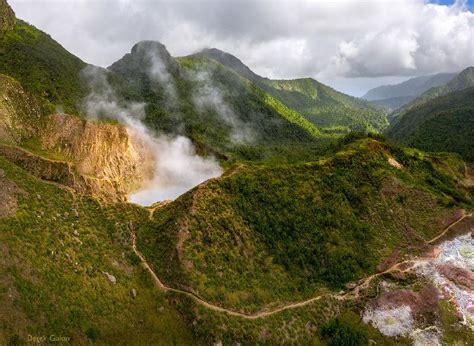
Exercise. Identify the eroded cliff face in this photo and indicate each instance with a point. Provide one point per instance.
(101, 159)
(7, 17)
(105, 153)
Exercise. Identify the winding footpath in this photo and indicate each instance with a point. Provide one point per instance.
(352, 294)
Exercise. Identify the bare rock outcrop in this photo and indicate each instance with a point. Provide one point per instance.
(423, 304)
(104, 153)
(101, 159)
(63, 173)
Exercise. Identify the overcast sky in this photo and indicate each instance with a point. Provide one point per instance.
(351, 45)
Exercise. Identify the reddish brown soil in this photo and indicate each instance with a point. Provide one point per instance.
(460, 276)
(424, 304)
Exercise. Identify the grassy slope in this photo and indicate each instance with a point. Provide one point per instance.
(319, 103)
(263, 235)
(325, 106)
(54, 250)
(42, 66)
(7, 17)
(445, 123)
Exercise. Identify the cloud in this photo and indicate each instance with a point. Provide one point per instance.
(279, 39)
(435, 38)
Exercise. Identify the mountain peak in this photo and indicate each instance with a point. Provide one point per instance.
(7, 17)
(152, 48)
(145, 53)
(231, 62)
(148, 45)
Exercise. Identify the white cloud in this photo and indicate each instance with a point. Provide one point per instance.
(430, 38)
(281, 39)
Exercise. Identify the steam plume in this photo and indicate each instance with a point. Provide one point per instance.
(207, 96)
(177, 166)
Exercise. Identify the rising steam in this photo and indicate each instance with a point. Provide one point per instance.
(158, 71)
(206, 95)
(177, 166)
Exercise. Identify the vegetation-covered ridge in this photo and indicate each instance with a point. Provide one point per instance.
(397, 95)
(82, 248)
(43, 67)
(446, 123)
(462, 80)
(320, 104)
(363, 283)
(221, 112)
(7, 17)
(262, 236)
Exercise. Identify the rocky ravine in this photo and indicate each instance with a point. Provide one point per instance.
(104, 160)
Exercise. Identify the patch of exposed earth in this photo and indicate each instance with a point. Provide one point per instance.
(448, 275)
(452, 273)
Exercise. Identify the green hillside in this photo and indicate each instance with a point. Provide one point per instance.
(304, 235)
(393, 103)
(446, 123)
(262, 236)
(320, 104)
(42, 66)
(232, 241)
(463, 80)
(326, 107)
(56, 247)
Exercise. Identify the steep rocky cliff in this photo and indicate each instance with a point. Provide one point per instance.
(7, 17)
(100, 159)
(106, 153)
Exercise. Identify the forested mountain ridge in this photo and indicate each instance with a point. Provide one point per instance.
(396, 95)
(462, 80)
(320, 104)
(42, 66)
(182, 94)
(445, 123)
(7, 17)
(288, 239)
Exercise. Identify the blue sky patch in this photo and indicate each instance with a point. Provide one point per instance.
(450, 2)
